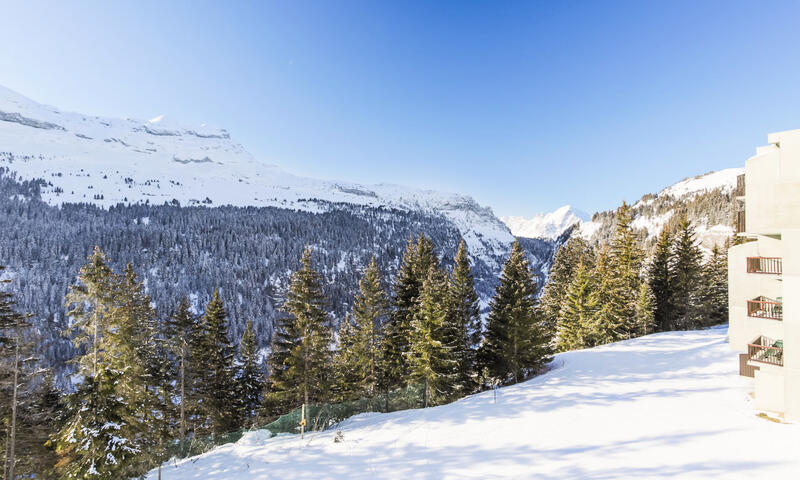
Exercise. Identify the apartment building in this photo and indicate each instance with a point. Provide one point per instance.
(764, 274)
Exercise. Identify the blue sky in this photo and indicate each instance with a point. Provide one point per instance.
(524, 105)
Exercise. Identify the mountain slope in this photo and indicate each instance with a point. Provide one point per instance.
(668, 405)
(106, 161)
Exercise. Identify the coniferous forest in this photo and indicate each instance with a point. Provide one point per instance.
(146, 380)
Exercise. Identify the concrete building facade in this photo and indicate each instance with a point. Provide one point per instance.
(764, 275)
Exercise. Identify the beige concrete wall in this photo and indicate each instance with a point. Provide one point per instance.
(772, 188)
(791, 320)
(769, 388)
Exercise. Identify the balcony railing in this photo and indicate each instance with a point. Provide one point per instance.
(763, 307)
(771, 265)
(766, 350)
(741, 227)
(739, 191)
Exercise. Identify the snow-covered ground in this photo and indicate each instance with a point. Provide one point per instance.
(668, 405)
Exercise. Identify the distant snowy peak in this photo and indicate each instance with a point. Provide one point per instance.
(105, 161)
(546, 225)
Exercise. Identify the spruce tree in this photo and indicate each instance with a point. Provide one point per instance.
(561, 275)
(578, 313)
(183, 334)
(625, 262)
(659, 280)
(98, 439)
(431, 360)
(517, 341)
(216, 387)
(398, 330)
(359, 358)
(464, 321)
(714, 288)
(251, 376)
(644, 311)
(685, 278)
(300, 361)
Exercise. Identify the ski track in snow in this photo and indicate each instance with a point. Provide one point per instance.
(669, 405)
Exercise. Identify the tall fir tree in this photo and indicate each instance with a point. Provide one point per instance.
(431, 360)
(659, 279)
(359, 358)
(562, 273)
(625, 262)
(579, 312)
(517, 341)
(215, 359)
(714, 288)
(183, 335)
(464, 321)
(685, 278)
(250, 379)
(301, 360)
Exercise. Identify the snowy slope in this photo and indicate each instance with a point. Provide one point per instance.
(545, 225)
(107, 161)
(669, 405)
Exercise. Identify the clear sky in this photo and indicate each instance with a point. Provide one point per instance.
(526, 106)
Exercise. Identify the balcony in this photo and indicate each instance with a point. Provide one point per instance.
(766, 350)
(768, 265)
(739, 190)
(741, 227)
(763, 307)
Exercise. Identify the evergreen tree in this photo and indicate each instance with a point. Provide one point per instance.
(624, 280)
(359, 357)
(15, 375)
(517, 341)
(431, 360)
(609, 318)
(251, 376)
(714, 289)
(578, 313)
(659, 278)
(464, 321)
(644, 311)
(216, 387)
(300, 361)
(685, 278)
(561, 276)
(183, 335)
(98, 439)
(398, 330)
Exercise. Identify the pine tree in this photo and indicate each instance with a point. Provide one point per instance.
(578, 313)
(714, 289)
(398, 330)
(216, 387)
(517, 341)
(98, 439)
(659, 278)
(300, 361)
(685, 277)
(359, 356)
(644, 311)
(251, 376)
(625, 261)
(431, 361)
(560, 277)
(183, 335)
(465, 330)
(15, 374)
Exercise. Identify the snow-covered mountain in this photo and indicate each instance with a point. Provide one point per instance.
(669, 405)
(706, 199)
(106, 161)
(546, 225)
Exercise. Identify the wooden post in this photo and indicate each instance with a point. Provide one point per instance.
(302, 421)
